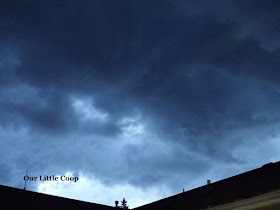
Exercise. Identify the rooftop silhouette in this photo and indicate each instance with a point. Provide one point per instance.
(13, 198)
(258, 182)
(243, 186)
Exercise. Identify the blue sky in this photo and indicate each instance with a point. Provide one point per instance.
(140, 99)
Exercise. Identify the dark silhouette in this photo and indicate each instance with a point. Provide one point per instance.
(13, 198)
(261, 181)
(25, 181)
(124, 204)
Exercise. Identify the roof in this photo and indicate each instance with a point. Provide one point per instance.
(242, 186)
(13, 198)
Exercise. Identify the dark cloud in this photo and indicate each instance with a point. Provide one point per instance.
(80, 80)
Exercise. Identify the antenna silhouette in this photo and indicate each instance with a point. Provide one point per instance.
(124, 206)
(25, 180)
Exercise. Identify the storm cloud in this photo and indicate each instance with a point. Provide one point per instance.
(143, 94)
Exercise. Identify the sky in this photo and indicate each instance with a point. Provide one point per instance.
(139, 99)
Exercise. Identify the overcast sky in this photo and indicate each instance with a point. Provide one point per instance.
(139, 98)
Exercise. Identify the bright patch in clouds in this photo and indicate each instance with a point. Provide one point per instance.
(87, 111)
(92, 190)
(132, 126)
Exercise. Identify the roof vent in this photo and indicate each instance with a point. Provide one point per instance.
(208, 182)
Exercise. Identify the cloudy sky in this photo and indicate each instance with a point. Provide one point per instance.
(139, 98)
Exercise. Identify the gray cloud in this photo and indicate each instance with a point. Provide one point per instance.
(139, 92)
